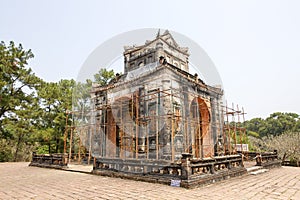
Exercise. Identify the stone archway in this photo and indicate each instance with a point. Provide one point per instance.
(120, 128)
(200, 123)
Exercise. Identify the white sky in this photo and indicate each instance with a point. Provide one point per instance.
(254, 44)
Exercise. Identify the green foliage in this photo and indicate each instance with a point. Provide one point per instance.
(17, 82)
(55, 101)
(276, 124)
(82, 95)
(104, 76)
(253, 134)
(17, 100)
(42, 149)
(6, 150)
(81, 101)
(33, 112)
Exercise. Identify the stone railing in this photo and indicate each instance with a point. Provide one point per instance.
(248, 155)
(269, 156)
(82, 158)
(137, 166)
(214, 165)
(49, 160)
(190, 172)
(198, 172)
(263, 158)
(268, 159)
(291, 163)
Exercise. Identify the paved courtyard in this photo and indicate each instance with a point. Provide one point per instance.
(18, 181)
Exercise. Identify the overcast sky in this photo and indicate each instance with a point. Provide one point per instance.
(255, 45)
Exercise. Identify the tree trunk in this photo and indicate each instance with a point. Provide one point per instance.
(17, 148)
(56, 145)
(49, 147)
(283, 158)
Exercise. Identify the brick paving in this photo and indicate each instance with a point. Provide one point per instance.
(18, 181)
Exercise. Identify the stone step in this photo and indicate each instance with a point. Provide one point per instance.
(260, 171)
(254, 168)
(79, 168)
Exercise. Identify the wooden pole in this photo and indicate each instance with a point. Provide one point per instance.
(71, 141)
(131, 128)
(228, 129)
(157, 124)
(234, 128)
(172, 138)
(66, 133)
(239, 128)
(223, 130)
(90, 147)
(79, 150)
(136, 125)
(120, 129)
(199, 125)
(244, 129)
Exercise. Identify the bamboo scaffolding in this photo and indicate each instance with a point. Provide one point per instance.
(132, 122)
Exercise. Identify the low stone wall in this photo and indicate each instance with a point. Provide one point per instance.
(268, 159)
(292, 164)
(189, 173)
(264, 159)
(57, 161)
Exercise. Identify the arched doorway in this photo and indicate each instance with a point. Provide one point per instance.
(121, 133)
(199, 121)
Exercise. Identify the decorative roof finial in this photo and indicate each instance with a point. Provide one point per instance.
(158, 33)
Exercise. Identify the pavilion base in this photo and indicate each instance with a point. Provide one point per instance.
(188, 173)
